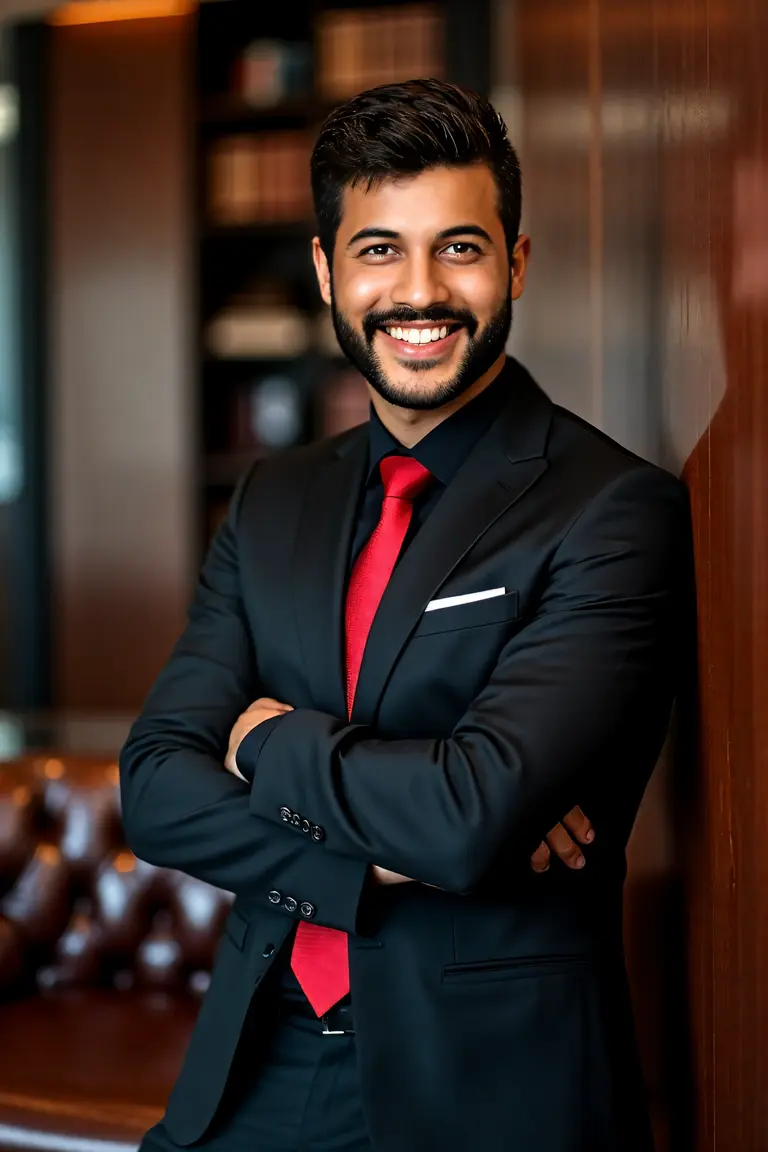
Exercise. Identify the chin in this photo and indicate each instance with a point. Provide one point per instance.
(412, 392)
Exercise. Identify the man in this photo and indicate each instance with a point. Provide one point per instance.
(413, 647)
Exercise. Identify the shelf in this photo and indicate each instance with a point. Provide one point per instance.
(277, 230)
(226, 109)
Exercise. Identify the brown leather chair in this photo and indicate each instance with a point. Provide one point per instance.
(103, 960)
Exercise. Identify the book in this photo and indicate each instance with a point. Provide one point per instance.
(259, 178)
(361, 48)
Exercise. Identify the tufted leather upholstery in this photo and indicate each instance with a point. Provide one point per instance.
(103, 960)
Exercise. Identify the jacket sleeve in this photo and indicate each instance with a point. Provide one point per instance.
(180, 807)
(584, 689)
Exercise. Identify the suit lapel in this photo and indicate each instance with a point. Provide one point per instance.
(325, 532)
(505, 463)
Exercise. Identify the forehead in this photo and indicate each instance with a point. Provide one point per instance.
(424, 204)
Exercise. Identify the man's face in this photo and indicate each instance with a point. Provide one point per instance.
(421, 287)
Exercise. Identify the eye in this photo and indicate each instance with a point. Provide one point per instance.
(461, 249)
(377, 251)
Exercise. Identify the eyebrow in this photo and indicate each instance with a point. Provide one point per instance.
(446, 234)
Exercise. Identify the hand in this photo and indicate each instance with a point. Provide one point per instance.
(263, 709)
(384, 876)
(564, 841)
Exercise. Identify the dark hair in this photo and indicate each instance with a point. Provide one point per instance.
(408, 128)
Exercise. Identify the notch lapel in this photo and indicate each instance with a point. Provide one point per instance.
(323, 541)
(502, 467)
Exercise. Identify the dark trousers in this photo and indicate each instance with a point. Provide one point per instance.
(295, 1090)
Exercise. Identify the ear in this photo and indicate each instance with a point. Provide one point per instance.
(322, 269)
(520, 256)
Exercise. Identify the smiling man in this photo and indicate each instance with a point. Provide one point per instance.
(412, 649)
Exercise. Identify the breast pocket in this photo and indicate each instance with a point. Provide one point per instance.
(474, 614)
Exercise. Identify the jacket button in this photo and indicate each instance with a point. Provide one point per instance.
(275, 897)
(318, 833)
(290, 904)
(307, 909)
(268, 950)
(296, 819)
(306, 826)
(285, 814)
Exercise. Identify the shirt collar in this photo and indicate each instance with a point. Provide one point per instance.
(443, 450)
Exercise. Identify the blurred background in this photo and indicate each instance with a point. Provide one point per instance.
(160, 326)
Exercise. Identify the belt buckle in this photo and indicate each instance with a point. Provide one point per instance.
(329, 1029)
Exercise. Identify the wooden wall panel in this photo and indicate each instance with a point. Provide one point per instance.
(122, 419)
(643, 129)
(728, 477)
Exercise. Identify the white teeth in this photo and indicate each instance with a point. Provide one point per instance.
(418, 335)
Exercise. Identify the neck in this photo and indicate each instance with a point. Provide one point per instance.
(409, 425)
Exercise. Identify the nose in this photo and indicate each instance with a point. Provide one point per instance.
(420, 282)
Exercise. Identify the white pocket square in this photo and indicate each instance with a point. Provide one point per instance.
(452, 601)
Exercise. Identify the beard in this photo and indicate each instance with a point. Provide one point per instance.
(484, 346)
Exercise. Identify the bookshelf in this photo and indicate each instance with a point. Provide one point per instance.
(270, 375)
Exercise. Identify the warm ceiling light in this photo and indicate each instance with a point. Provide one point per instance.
(101, 11)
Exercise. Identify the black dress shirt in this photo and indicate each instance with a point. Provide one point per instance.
(441, 452)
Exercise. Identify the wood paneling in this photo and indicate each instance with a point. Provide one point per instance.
(728, 477)
(644, 132)
(122, 490)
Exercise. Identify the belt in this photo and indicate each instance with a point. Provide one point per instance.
(337, 1021)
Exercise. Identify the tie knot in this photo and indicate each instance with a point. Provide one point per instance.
(404, 478)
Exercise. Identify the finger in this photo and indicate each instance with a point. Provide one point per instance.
(541, 858)
(562, 844)
(578, 825)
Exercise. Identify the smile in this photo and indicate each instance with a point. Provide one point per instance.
(422, 341)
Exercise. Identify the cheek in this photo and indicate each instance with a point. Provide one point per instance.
(362, 291)
(482, 289)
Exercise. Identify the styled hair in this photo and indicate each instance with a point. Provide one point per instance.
(406, 129)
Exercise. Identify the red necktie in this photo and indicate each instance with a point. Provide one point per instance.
(320, 956)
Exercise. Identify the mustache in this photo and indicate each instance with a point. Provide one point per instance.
(402, 317)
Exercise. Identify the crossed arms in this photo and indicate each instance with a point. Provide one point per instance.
(586, 682)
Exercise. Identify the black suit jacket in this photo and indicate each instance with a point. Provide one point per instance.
(491, 1013)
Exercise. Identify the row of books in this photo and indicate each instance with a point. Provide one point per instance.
(360, 48)
(355, 48)
(259, 178)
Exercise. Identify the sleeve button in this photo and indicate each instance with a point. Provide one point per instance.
(290, 904)
(307, 910)
(306, 826)
(275, 897)
(317, 833)
(285, 814)
(296, 819)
